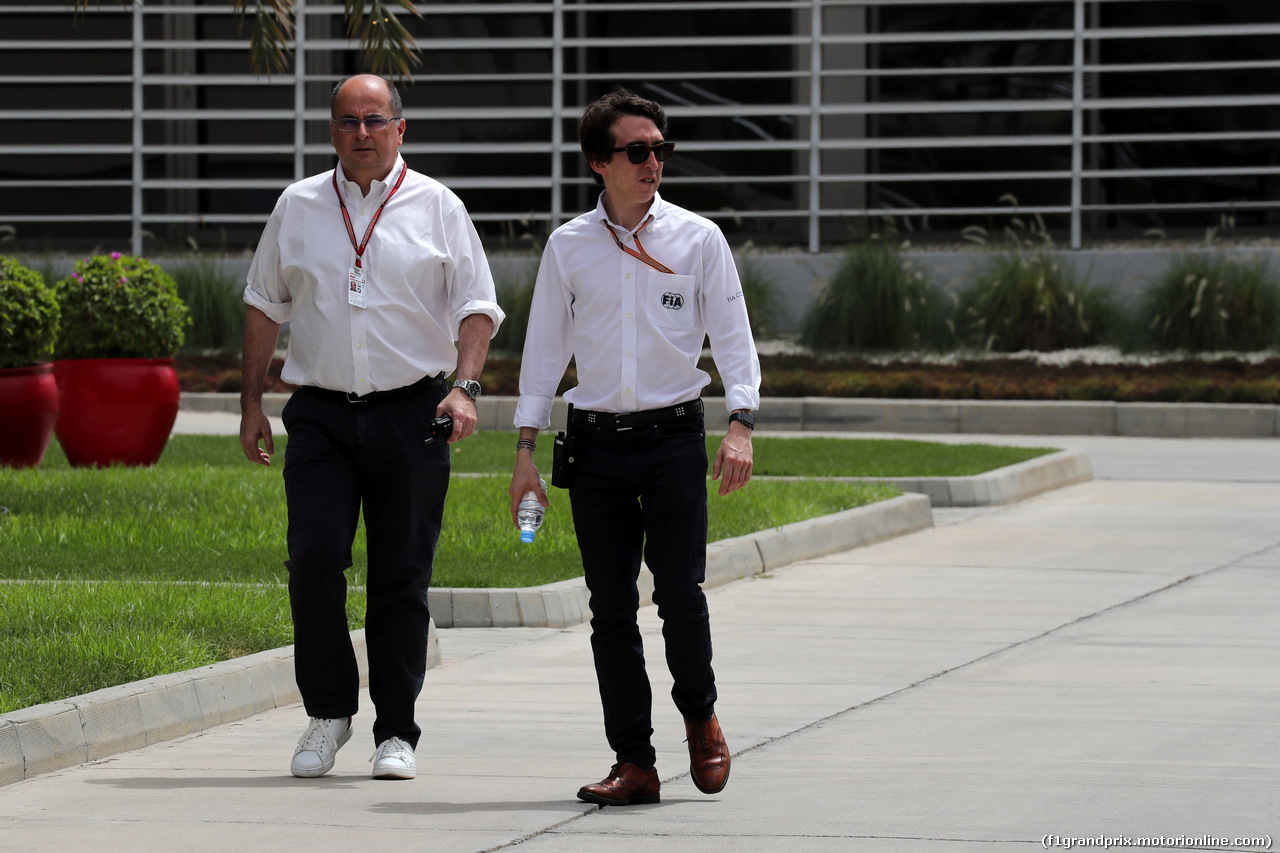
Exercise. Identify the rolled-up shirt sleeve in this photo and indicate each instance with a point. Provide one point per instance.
(266, 288)
(471, 290)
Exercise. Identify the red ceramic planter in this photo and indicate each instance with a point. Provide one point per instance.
(28, 410)
(115, 410)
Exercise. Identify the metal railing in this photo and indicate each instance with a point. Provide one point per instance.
(143, 120)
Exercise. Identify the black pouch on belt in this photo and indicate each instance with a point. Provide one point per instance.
(562, 461)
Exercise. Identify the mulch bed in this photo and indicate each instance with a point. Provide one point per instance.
(1185, 381)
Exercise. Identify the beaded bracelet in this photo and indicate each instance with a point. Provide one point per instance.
(526, 443)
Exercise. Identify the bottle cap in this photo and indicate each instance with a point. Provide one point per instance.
(526, 536)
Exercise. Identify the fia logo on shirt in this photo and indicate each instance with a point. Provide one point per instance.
(673, 301)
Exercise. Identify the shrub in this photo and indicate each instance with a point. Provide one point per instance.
(216, 304)
(1207, 301)
(515, 295)
(29, 316)
(760, 292)
(1026, 299)
(875, 301)
(120, 307)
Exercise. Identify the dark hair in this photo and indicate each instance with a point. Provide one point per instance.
(394, 102)
(594, 131)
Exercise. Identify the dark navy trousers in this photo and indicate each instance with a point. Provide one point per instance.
(343, 457)
(642, 494)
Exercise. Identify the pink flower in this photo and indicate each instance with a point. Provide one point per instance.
(124, 280)
(115, 256)
(77, 276)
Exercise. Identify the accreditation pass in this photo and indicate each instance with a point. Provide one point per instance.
(356, 286)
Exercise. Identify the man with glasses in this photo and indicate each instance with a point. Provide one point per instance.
(630, 290)
(378, 270)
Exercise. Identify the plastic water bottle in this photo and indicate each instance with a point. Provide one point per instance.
(529, 515)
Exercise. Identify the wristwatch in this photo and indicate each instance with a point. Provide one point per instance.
(747, 419)
(470, 387)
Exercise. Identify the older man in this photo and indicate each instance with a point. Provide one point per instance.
(379, 271)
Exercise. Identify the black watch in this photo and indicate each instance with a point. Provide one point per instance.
(470, 387)
(747, 419)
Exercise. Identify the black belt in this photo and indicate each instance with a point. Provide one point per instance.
(631, 420)
(389, 394)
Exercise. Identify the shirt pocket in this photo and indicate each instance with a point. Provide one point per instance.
(671, 301)
(401, 267)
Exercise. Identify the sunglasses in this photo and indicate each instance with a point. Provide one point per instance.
(373, 123)
(638, 152)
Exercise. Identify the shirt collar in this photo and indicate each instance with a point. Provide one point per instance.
(655, 214)
(377, 189)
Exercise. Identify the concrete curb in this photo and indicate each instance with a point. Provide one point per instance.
(49, 737)
(1020, 417)
(859, 414)
(1004, 485)
(566, 603)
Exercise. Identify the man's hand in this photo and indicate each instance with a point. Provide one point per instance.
(255, 427)
(733, 459)
(525, 479)
(462, 409)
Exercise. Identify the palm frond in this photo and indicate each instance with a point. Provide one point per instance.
(383, 37)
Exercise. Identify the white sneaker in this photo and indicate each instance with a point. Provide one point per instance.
(318, 747)
(394, 760)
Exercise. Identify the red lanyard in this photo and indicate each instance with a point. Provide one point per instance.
(346, 217)
(642, 254)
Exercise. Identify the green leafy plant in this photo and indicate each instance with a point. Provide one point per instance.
(1208, 301)
(875, 300)
(216, 304)
(29, 316)
(120, 307)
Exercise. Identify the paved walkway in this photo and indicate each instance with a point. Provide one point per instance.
(1097, 661)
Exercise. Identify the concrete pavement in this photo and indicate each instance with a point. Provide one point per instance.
(1097, 661)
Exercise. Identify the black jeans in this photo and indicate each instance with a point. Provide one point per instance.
(642, 492)
(341, 457)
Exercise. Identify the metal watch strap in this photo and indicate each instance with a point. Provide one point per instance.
(470, 387)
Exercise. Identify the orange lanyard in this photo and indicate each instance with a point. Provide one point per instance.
(642, 254)
(346, 217)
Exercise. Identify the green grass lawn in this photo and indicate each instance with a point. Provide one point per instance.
(63, 638)
(109, 576)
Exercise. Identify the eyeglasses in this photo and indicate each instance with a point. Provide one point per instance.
(638, 152)
(373, 123)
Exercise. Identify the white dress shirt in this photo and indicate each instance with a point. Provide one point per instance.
(425, 268)
(636, 332)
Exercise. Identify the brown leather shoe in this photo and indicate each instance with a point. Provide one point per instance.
(626, 785)
(708, 755)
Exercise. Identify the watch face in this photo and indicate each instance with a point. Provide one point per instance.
(469, 386)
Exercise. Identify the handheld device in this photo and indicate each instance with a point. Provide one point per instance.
(441, 427)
